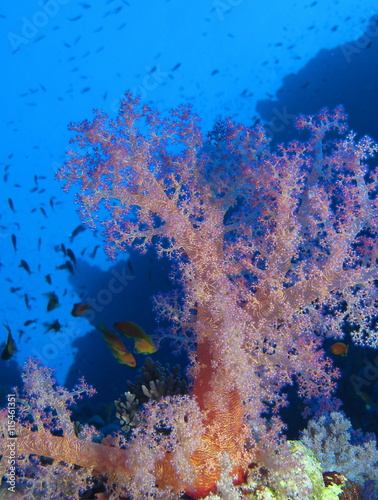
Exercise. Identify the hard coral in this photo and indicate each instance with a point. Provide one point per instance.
(155, 382)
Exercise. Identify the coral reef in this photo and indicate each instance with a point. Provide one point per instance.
(273, 252)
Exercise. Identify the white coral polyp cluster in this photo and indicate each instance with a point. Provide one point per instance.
(329, 438)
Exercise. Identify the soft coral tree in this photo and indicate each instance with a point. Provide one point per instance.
(273, 252)
(266, 244)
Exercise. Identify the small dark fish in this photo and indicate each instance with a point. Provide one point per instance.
(14, 242)
(75, 18)
(25, 265)
(76, 231)
(214, 72)
(56, 326)
(14, 289)
(53, 302)
(87, 89)
(80, 309)
(30, 322)
(48, 279)
(176, 67)
(10, 346)
(52, 203)
(39, 243)
(71, 255)
(93, 254)
(69, 266)
(10, 201)
(43, 211)
(27, 301)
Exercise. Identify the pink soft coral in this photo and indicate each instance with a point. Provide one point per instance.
(274, 252)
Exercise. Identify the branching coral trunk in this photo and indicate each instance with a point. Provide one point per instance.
(97, 458)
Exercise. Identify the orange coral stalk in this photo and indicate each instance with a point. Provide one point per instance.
(98, 458)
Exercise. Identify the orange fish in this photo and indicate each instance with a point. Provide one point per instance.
(80, 309)
(143, 342)
(117, 347)
(339, 348)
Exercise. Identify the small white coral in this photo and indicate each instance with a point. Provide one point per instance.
(224, 484)
(329, 439)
